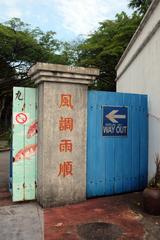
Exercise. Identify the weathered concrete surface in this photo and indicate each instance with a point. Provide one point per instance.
(47, 72)
(61, 173)
(124, 211)
(53, 189)
(21, 222)
(4, 168)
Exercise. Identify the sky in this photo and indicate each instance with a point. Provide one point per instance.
(68, 18)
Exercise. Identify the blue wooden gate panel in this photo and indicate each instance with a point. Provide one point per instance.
(117, 164)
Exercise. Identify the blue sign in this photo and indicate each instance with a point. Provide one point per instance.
(115, 121)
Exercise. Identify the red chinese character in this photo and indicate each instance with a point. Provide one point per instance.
(66, 123)
(65, 169)
(66, 100)
(65, 146)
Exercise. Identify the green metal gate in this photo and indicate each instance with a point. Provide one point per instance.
(24, 144)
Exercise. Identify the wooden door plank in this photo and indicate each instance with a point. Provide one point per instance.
(30, 139)
(18, 145)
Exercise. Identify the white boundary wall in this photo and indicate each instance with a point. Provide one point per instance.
(138, 71)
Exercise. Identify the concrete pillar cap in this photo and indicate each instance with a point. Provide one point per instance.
(47, 72)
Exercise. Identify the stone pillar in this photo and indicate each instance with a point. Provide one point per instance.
(62, 120)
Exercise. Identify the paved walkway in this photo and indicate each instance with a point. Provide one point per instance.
(109, 218)
(21, 222)
(17, 221)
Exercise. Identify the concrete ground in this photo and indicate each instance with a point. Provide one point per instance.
(21, 222)
(109, 218)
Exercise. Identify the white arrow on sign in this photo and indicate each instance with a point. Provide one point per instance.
(112, 116)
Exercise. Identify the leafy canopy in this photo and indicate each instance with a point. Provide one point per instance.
(21, 46)
(105, 46)
(140, 6)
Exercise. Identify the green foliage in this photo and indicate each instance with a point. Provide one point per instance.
(140, 6)
(105, 46)
(21, 46)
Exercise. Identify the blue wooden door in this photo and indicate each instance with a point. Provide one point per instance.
(117, 162)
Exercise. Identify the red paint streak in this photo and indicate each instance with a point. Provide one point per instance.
(33, 129)
(26, 152)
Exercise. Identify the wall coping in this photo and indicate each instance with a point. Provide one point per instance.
(47, 72)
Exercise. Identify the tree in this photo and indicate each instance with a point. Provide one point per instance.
(140, 6)
(21, 46)
(70, 51)
(105, 46)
